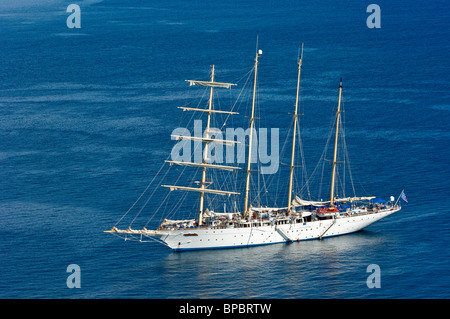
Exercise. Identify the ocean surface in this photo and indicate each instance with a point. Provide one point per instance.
(86, 116)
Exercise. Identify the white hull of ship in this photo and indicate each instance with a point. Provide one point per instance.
(219, 238)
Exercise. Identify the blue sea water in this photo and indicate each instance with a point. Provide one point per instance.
(85, 122)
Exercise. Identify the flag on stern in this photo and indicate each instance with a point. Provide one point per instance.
(403, 196)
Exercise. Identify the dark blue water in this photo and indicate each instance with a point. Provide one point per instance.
(85, 122)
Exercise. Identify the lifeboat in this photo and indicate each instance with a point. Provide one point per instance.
(327, 212)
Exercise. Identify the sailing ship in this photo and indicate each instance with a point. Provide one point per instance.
(256, 225)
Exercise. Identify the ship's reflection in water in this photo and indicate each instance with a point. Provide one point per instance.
(331, 268)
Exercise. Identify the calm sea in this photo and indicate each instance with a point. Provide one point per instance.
(86, 116)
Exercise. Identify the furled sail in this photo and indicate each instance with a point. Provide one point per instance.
(266, 209)
(210, 83)
(204, 139)
(203, 190)
(184, 108)
(224, 167)
(301, 202)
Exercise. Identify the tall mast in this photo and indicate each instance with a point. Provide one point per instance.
(333, 176)
(291, 176)
(247, 184)
(205, 154)
(205, 139)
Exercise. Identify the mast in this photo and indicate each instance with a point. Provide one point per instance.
(291, 176)
(247, 184)
(333, 176)
(205, 152)
(206, 139)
